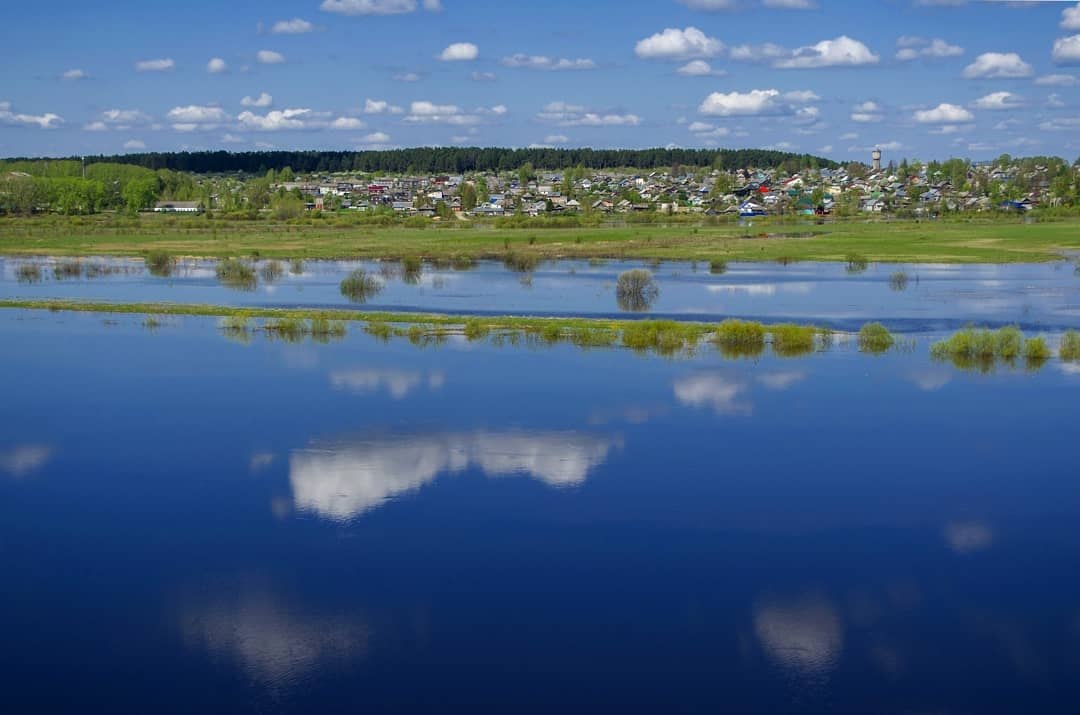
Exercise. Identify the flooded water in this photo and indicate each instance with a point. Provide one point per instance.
(908, 298)
(191, 523)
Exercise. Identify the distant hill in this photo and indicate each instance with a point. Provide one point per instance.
(457, 160)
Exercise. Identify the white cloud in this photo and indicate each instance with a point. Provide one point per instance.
(162, 65)
(791, 4)
(134, 144)
(40, 121)
(717, 391)
(376, 7)
(406, 77)
(556, 139)
(998, 101)
(124, 117)
(460, 52)
(998, 65)
(269, 57)
(75, 75)
(1061, 124)
(916, 47)
(704, 130)
(1067, 50)
(676, 44)
(424, 112)
(347, 123)
(377, 138)
(801, 96)
(380, 106)
(232, 139)
(1054, 101)
(767, 52)
(840, 52)
(572, 115)
(700, 68)
(276, 120)
(867, 112)
(295, 26)
(1070, 18)
(484, 77)
(263, 100)
(709, 5)
(216, 65)
(1058, 80)
(196, 117)
(542, 62)
(944, 113)
(96, 127)
(754, 102)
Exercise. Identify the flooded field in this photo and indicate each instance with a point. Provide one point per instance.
(192, 522)
(908, 298)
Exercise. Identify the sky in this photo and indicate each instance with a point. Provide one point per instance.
(921, 79)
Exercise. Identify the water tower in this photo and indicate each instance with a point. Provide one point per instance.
(876, 156)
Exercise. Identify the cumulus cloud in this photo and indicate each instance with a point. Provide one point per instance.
(722, 394)
(377, 7)
(998, 101)
(1067, 50)
(676, 44)
(263, 100)
(276, 120)
(344, 123)
(376, 138)
(196, 117)
(767, 52)
(704, 130)
(542, 62)
(424, 112)
(912, 48)
(97, 126)
(709, 5)
(840, 52)
(123, 118)
(161, 65)
(944, 113)
(867, 112)
(380, 106)
(134, 145)
(295, 26)
(791, 4)
(38, 121)
(754, 102)
(700, 68)
(269, 57)
(73, 75)
(1070, 18)
(460, 52)
(1058, 80)
(216, 65)
(572, 115)
(995, 65)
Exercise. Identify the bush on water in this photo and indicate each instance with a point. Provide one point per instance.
(236, 273)
(1070, 345)
(360, 285)
(160, 263)
(635, 290)
(875, 338)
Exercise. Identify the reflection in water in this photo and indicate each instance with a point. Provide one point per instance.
(968, 537)
(713, 390)
(782, 380)
(274, 646)
(398, 383)
(341, 482)
(804, 635)
(22, 459)
(930, 379)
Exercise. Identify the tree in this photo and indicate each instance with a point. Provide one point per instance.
(468, 196)
(140, 194)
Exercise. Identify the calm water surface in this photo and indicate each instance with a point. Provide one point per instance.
(934, 297)
(189, 523)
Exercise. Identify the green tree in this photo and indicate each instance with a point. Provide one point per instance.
(468, 196)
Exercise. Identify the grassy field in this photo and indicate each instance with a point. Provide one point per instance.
(981, 240)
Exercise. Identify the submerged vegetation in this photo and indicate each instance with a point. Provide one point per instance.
(160, 263)
(898, 281)
(272, 271)
(636, 290)
(856, 262)
(875, 338)
(28, 273)
(717, 267)
(360, 285)
(236, 274)
(67, 269)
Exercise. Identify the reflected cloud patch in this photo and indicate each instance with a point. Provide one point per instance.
(719, 392)
(805, 635)
(782, 380)
(397, 383)
(342, 482)
(24, 459)
(968, 537)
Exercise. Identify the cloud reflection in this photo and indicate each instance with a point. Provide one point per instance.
(22, 459)
(273, 646)
(398, 383)
(713, 390)
(342, 482)
(968, 537)
(804, 635)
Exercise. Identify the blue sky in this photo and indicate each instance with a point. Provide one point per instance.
(920, 78)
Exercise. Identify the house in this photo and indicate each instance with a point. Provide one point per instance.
(177, 207)
(749, 208)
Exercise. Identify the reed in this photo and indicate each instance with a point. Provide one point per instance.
(856, 262)
(875, 338)
(359, 286)
(236, 274)
(28, 273)
(411, 270)
(160, 263)
(790, 340)
(1070, 346)
(272, 271)
(520, 261)
(67, 269)
(475, 329)
(898, 281)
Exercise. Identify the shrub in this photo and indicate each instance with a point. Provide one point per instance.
(411, 270)
(359, 286)
(521, 262)
(635, 290)
(160, 263)
(789, 340)
(67, 269)
(272, 271)
(1070, 345)
(1036, 350)
(898, 281)
(288, 329)
(28, 273)
(296, 267)
(718, 267)
(875, 338)
(856, 263)
(475, 329)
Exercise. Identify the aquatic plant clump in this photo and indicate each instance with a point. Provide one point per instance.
(875, 338)
(981, 348)
(67, 269)
(856, 263)
(160, 263)
(898, 281)
(666, 337)
(411, 270)
(236, 274)
(359, 286)
(718, 267)
(1036, 350)
(789, 340)
(521, 262)
(322, 329)
(272, 271)
(28, 273)
(475, 329)
(636, 290)
(1070, 346)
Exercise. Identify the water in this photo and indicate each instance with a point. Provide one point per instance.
(191, 523)
(936, 297)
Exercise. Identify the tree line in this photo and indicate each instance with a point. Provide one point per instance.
(459, 160)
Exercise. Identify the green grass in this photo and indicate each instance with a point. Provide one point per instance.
(875, 338)
(790, 340)
(740, 338)
(360, 285)
(1036, 350)
(236, 274)
(666, 337)
(981, 349)
(981, 239)
(1070, 346)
